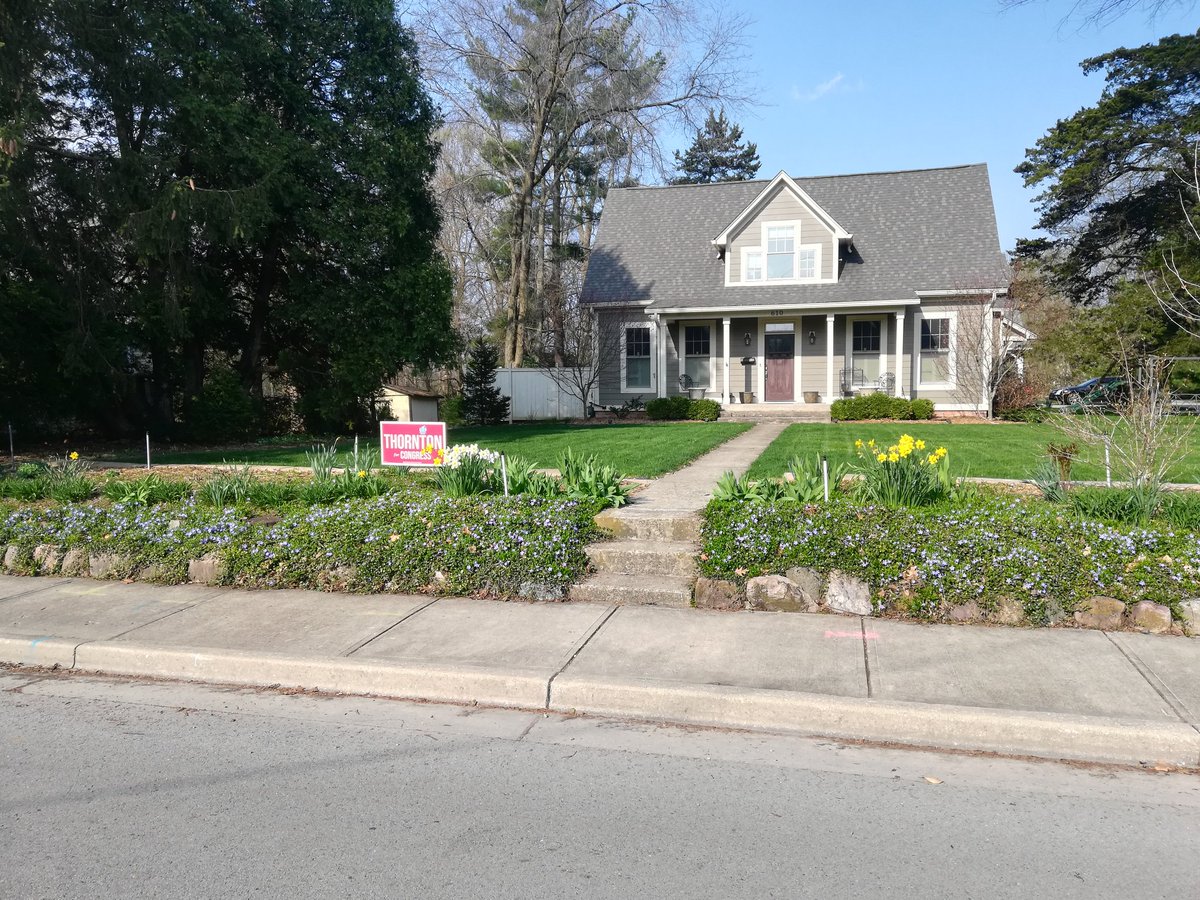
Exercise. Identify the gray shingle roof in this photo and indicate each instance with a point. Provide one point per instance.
(921, 230)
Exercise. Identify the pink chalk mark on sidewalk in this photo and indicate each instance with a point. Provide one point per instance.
(869, 635)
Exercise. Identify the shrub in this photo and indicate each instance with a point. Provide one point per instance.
(452, 411)
(928, 560)
(922, 408)
(668, 408)
(222, 411)
(482, 402)
(879, 406)
(704, 410)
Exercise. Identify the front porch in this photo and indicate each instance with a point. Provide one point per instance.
(786, 363)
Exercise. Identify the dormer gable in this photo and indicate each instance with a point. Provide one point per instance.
(783, 236)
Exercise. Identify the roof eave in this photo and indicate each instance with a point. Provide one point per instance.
(784, 178)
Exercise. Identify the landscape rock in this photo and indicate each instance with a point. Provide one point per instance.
(848, 594)
(536, 590)
(75, 563)
(1104, 613)
(779, 594)
(1054, 612)
(106, 565)
(1191, 616)
(208, 569)
(810, 583)
(47, 557)
(152, 572)
(966, 612)
(716, 593)
(1009, 611)
(12, 557)
(1149, 616)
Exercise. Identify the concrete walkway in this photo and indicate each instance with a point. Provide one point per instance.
(1126, 698)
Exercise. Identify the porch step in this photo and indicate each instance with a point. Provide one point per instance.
(627, 524)
(635, 590)
(641, 557)
(750, 414)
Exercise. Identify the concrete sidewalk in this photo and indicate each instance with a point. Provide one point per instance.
(1125, 698)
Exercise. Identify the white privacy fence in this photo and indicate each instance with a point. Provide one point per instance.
(536, 394)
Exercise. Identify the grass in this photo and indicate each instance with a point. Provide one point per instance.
(636, 450)
(981, 451)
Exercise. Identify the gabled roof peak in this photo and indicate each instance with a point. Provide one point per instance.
(787, 182)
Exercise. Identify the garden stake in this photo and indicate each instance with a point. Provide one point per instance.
(356, 450)
(147, 451)
(1107, 466)
(504, 472)
(825, 475)
(12, 453)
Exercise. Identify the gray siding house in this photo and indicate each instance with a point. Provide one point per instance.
(800, 289)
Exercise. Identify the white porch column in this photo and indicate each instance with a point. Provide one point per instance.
(900, 353)
(661, 335)
(725, 349)
(829, 359)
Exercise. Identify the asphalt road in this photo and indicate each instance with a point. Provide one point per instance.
(123, 789)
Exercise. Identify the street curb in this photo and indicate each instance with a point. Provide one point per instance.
(446, 683)
(1011, 732)
(37, 651)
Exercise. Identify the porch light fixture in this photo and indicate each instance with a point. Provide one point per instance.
(812, 337)
(746, 339)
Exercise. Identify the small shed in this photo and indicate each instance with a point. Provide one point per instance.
(408, 404)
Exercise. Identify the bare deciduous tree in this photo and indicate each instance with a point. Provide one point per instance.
(589, 347)
(539, 81)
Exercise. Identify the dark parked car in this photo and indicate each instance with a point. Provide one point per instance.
(1093, 392)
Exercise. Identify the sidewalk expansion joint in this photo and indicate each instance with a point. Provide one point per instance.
(1168, 697)
(862, 625)
(354, 648)
(36, 590)
(208, 595)
(592, 632)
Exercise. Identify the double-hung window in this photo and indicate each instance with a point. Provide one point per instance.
(754, 270)
(935, 351)
(865, 347)
(697, 355)
(638, 347)
(806, 261)
(781, 251)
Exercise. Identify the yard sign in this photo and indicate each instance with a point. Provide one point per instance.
(412, 443)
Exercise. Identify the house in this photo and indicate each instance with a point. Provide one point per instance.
(802, 289)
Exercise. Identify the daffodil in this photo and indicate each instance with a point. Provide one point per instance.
(920, 445)
(362, 473)
(880, 457)
(74, 455)
(858, 443)
(893, 457)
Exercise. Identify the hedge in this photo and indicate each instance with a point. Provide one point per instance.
(924, 562)
(404, 541)
(679, 407)
(880, 406)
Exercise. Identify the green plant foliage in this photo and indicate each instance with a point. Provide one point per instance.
(925, 561)
(407, 540)
(584, 478)
(879, 406)
(145, 491)
(704, 410)
(482, 402)
(904, 474)
(223, 411)
(230, 486)
(668, 408)
(452, 411)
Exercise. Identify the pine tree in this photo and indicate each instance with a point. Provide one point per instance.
(482, 402)
(717, 154)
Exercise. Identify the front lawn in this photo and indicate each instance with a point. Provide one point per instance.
(637, 450)
(1001, 450)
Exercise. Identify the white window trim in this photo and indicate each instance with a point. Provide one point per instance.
(952, 361)
(848, 339)
(712, 325)
(761, 249)
(747, 252)
(653, 326)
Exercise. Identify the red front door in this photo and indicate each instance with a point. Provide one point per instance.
(781, 369)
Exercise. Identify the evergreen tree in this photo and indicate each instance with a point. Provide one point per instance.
(717, 154)
(482, 402)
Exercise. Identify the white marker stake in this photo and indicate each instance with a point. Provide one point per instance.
(1107, 466)
(825, 475)
(356, 450)
(147, 450)
(12, 453)
(504, 472)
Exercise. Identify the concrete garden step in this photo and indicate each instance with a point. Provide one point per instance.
(642, 557)
(650, 525)
(635, 590)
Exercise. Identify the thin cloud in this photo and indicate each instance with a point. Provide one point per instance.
(810, 95)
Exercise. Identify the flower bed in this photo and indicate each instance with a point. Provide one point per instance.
(986, 550)
(407, 540)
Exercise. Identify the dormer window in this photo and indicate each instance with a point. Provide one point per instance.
(781, 251)
(754, 270)
(807, 258)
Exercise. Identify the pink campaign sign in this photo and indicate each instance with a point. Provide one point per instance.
(412, 443)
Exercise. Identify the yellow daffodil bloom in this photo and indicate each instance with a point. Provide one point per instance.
(858, 443)
(920, 445)
(893, 457)
(880, 457)
(74, 455)
(362, 474)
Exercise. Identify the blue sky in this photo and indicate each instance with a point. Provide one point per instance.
(870, 85)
